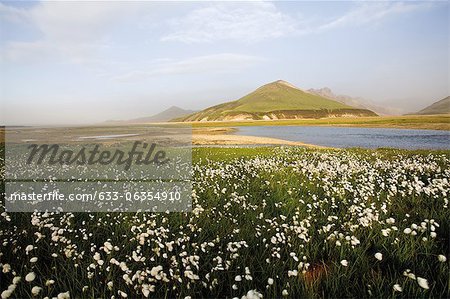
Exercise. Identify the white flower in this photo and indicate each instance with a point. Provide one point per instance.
(146, 289)
(423, 283)
(270, 281)
(6, 268)
(354, 241)
(344, 263)
(122, 294)
(397, 288)
(108, 246)
(238, 278)
(253, 294)
(284, 293)
(29, 248)
(408, 274)
(188, 273)
(155, 270)
(49, 282)
(6, 294)
(292, 273)
(442, 258)
(411, 275)
(33, 260)
(16, 279)
(30, 277)
(65, 295)
(36, 290)
(407, 230)
(379, 256)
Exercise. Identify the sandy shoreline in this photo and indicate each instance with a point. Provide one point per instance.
(223, 139)
(225, 136)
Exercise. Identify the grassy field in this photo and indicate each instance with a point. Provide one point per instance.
(271, 222)
(432, 122)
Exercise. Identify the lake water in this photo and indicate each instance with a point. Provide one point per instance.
(354, 137)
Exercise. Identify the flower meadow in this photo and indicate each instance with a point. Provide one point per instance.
(265, 223)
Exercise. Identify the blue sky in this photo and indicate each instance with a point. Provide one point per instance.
(81, 62)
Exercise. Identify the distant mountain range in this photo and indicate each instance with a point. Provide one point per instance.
(278, 100)
(282, 100)
(166, 115)
(439, 107)
(357, 102)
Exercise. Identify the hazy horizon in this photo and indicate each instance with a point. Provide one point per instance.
(87, 62)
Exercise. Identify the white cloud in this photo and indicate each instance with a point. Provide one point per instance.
(248, 22)
(12, 14)
(258, 21)
(71, 30)
(81, 32)
(225, 62)
(75, 22)
(26, 52)
(371, 12)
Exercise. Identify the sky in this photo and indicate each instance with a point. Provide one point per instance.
(84, 62)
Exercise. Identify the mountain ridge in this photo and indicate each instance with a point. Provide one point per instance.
(357, 102)
(165, 115)
(439, 107)
(277, 100)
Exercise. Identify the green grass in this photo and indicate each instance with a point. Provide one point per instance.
(436, 122)
(225, 154)
(254, 208)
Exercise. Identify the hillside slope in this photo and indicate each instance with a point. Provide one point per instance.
(439, 107)
(277, 100)
(356, 102)
(166, 115)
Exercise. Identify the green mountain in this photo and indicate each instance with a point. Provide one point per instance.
(277, 100)
(440, 107)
